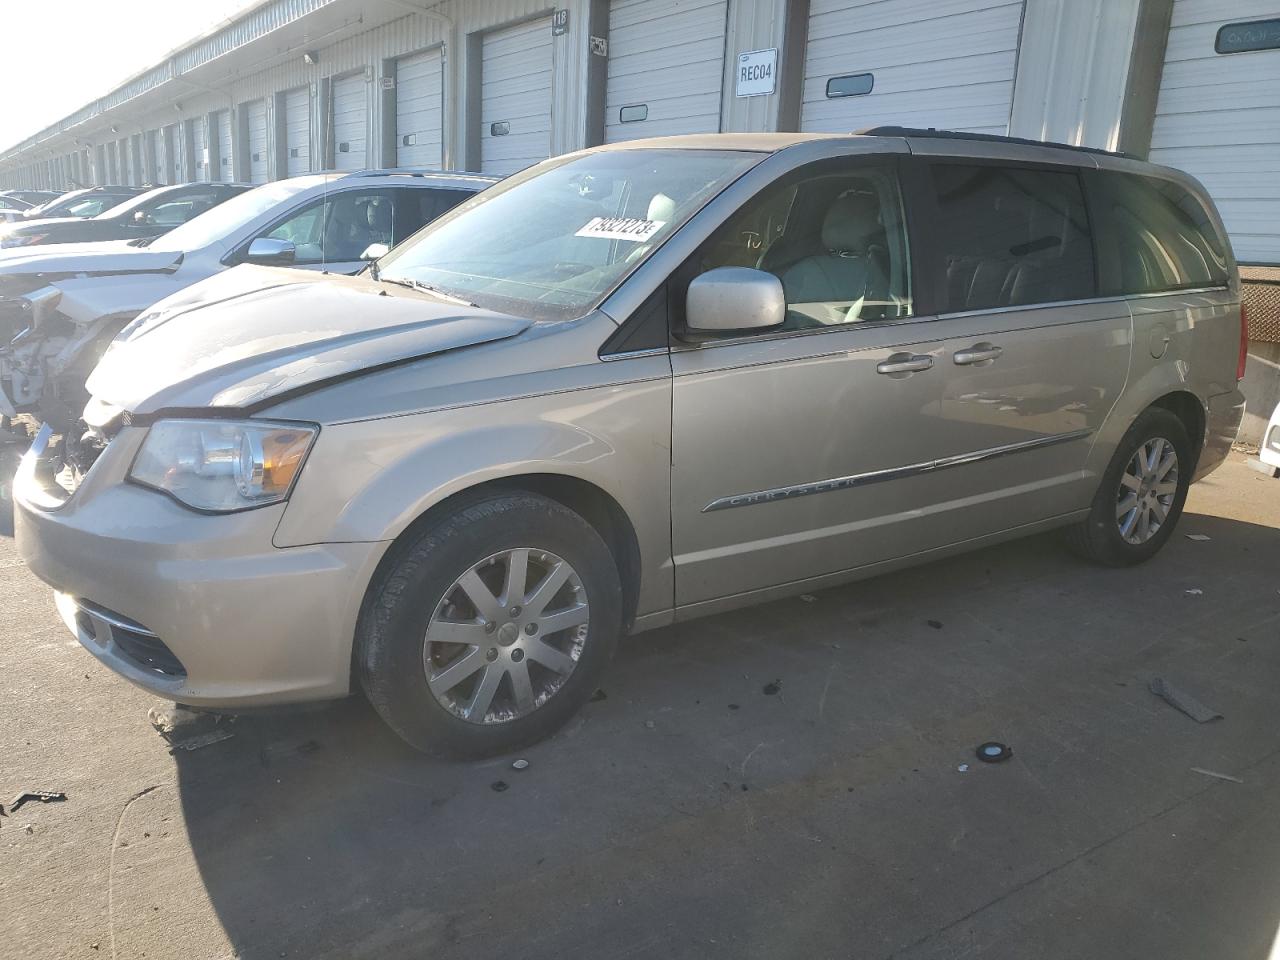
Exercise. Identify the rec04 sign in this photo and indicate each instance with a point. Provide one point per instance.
(757, 73)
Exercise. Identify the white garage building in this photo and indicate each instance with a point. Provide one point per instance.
(292, 86)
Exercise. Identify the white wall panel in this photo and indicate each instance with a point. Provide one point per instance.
(515, 96)
(420, 110)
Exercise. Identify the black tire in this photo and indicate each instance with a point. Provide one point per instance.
(1098, 538)
(391, 636)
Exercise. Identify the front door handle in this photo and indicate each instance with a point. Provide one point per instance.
(904, 363)
(978, 353)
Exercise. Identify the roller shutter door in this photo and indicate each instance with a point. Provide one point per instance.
(932, 63)
(666, 66)
(173, 153)
(419, 111)
(155, 143)
(204, 165)
(297, 131)
(515, 97)
(226, 170)
(350, 121)
(1218, 118)
(256, 114)
(126, 162)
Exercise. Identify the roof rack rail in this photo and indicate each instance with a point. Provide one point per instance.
(892, 131)
(410, 172)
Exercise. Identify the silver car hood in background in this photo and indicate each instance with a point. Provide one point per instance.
(106, 256)
(253, 333)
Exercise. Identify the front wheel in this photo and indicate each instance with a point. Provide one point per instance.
(1141, 495)
(492, 628)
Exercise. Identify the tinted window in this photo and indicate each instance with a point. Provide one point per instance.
(1154, 235)
(416, 208)
(339, 227)
(834, 235)
(1010, 236)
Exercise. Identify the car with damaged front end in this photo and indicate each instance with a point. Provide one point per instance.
(62, 304)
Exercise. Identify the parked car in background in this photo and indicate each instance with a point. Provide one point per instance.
(12, 208)
(627, 386)
(1269, 450)
(61, 304)
(143, 217)
(88, 202)
(33, 197)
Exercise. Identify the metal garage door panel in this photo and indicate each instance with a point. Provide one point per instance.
(226, 171)
(204, 169)
(350, 122)
(1218, 118)
(420, 111)
(666, 62)
(257, 116)
(935, 63)
(515, 97)
(297, 131)
(155, 144)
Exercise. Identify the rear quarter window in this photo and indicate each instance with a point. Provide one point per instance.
(1153, 236)
(1011, 236)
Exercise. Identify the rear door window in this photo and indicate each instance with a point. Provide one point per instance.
(1011, 236)
(339, 227)
(418, 206)
(1153, 236)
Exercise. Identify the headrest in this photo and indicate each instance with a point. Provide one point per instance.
(378, 215)
(662, 208)
(852, 223)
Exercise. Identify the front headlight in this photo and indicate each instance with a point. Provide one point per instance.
(223, 465)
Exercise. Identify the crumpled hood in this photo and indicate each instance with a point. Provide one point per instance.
(107, 256)
(253, 333)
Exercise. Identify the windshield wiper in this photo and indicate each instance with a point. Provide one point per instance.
(428, 288)
(141, 241)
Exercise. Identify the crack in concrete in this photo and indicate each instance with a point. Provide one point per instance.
(111, 864)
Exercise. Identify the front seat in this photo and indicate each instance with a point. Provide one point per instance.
(850, 269)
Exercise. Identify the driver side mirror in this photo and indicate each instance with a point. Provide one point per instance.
(271, 252)
(375, 251)
(730, 300)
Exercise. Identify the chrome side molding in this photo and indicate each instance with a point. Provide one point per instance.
(892, 473)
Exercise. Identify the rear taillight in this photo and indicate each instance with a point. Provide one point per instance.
(1244, 344)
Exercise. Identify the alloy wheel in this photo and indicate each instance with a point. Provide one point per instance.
(1147, 490)
(506, 636)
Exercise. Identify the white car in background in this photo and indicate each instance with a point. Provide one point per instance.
(1269, 450)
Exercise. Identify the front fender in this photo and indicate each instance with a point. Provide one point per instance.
(368, 481)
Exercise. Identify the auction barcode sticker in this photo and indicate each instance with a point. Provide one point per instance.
(621, 228)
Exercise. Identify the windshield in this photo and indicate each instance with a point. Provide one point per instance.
(226, 218)
(551, 242)
(128, 206)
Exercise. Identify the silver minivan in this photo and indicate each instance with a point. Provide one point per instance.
(629, 386)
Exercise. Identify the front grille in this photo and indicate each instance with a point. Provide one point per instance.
(130, 638)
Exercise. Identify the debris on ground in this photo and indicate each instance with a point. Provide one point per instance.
(34, 796)
(204, 740)
(963, 768)
(936, 624)
(521, 764)
(733, 706)
(808, 597)
(772, 688)
(649, 724)
(1217, 776)
(993, 752)
(1194, 592)
(1180, 700)
(498, 786)
(168, 719)
(598, 696)
(1198, 537)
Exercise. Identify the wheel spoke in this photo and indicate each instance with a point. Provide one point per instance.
(1144, 523)
(544, 592)
(485, 602)
(563, 619)
(1130, 481)
(517, 575)
(519, 674)
(1126, 505)
(1166, 489)
(550, 657)
(478, 706)
(1170, 462)
(469, 632)
(1127, 523)
(451, 676)
(1154, 451)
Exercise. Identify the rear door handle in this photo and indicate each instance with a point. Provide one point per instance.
(904, 363)
(978, 353)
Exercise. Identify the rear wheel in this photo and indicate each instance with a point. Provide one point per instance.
(492, 628)
(1141, 495)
